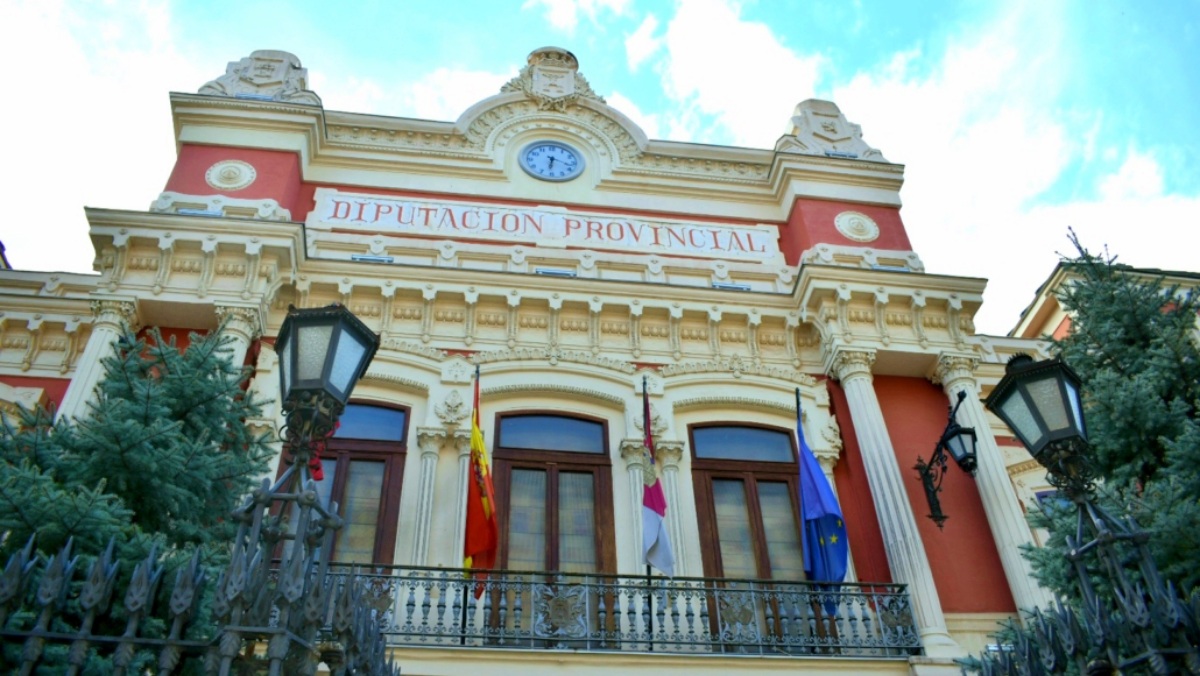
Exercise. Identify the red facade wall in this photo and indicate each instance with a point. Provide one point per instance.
(963, 557)
(811, 223)
(277, 175)
(854, 495)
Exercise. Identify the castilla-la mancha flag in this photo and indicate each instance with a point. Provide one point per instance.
(656, 546)
(479, 545)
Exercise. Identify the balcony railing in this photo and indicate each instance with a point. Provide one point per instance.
(529, 610)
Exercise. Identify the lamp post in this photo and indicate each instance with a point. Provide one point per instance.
(322, 354)
(959, 442)
(1146, 627)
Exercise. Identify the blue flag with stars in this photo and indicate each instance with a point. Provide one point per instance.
(826, 551)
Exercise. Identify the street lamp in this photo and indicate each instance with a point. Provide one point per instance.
(284, 605)
(959, 442)
(322, 354)
(1145, 626)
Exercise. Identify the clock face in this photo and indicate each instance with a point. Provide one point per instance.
(551, 161)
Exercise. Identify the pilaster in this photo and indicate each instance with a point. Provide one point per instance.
(243, 324)
(430, 441)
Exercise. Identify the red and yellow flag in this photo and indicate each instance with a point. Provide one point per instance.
(480, 543)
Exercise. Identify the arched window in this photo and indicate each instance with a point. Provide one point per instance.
(745, 479)
(363, 465)
(554, 488)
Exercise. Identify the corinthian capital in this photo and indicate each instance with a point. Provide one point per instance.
(954, 370)
(850, 364)
(430, 440)
(114, 313)
(240, 319)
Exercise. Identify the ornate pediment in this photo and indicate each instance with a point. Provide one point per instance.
(268, 75)
(820, 128)
(552, 79)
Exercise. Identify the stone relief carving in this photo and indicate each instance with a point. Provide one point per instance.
(453, 410)
(658, 424)
(856, 226)
(552, 79)
(268, 75)
(820, 128)
(739, 366)
(230, 175)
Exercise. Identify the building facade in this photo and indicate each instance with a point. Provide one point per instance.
(543, 237)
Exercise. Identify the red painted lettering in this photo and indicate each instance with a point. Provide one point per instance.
(491, 220)
(512, 225)
(531, 223)
(338, 212)
(361, 207)
(692, 232)
(380, 210)
(570, 225)
(673, 234)
(594, 228)
(467, 226)
(615, 231)
(400, 214)
(448, 218)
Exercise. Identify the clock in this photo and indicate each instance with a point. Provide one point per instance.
(551, 161)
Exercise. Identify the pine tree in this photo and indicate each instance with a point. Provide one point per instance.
(1133, 342)
(162, 456)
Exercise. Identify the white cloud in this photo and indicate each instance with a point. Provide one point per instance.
(1139, 177)
(565, 14)
(88, 121)
(642, 43)
(732, 71)
(648, 123)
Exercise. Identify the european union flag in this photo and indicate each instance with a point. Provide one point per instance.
(826, 550)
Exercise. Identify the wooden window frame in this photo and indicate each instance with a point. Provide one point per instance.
(750, 473)
(393, 454)
(599, 465)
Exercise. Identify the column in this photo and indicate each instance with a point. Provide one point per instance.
(462, 442)
(632, 454)
(1004, 513)
(243, 325)
(111, 318)
(901, 540)
(669, 454)
(430, 441)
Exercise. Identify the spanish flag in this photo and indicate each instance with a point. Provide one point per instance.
(479, 545)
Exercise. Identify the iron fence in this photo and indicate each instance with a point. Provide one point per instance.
(420, 606)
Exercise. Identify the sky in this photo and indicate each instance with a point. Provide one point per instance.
(1015, 120)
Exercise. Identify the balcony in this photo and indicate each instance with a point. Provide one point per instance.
(440, 608)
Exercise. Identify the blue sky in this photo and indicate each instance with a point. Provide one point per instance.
(1015, 120)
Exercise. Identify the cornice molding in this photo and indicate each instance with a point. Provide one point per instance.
(715, 401)
(738, 366)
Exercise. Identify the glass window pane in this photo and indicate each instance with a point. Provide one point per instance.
(1048, 401)
(312, 342)
(364, 492)
(743, 443)
(285, 366)
(1023, 422)
(733, 528)
(551, 433)
(527, 520)
(783, 534)
(577, 523)
(350, 352)
(361, 421)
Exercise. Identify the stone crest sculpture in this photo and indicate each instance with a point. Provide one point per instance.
(820, 128)
(268, 75)
(551, 77)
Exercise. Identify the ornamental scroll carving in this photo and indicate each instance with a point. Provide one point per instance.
(552, 79)
(453, 410)
(820, 128)
(268, 75)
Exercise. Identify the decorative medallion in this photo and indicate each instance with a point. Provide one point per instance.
(857, 226)
(230, 175)
(552, 79)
